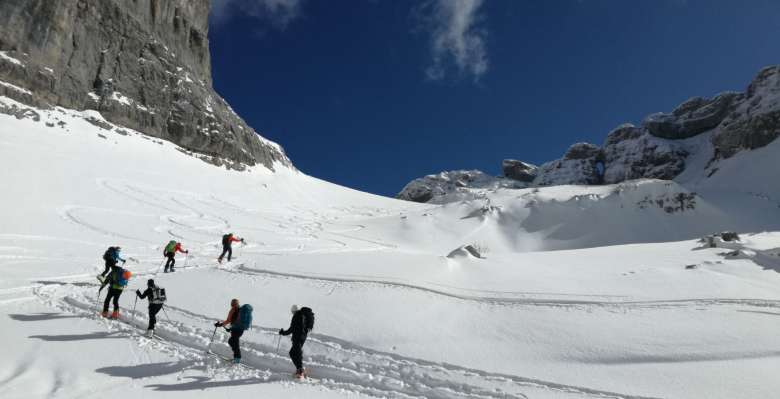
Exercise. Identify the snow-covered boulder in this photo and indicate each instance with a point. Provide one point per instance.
(453, 186)
(519, 170)
(582, 164)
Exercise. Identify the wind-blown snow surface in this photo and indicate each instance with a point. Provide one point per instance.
(614, 312)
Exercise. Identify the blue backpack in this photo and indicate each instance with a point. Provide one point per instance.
(244, 320)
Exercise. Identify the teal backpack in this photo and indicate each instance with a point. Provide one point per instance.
(244, 319)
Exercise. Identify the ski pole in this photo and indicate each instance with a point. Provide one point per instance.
(166, 314)
(134, 303)
(208, 348)
(186, 258)
(278, 343)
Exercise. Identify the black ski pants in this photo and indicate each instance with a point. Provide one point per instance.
(234, 342)
(171, 260)
(154, 308)
(226, 249)
(114, 294)
(296, 354)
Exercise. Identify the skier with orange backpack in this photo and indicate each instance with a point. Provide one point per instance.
(117, 281)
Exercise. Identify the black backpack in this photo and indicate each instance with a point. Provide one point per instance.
(109, 255)
(308, 318)
(226, 240)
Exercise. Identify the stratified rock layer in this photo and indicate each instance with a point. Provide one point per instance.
(143, 64)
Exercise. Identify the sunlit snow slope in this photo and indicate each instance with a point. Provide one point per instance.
(584, 292)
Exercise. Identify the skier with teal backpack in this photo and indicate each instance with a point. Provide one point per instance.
(170, 253)
(239, 319)
(117, 281)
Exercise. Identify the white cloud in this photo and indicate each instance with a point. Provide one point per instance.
(278, 12)
(456, 38)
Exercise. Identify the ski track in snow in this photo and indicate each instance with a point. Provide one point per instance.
(339, 365)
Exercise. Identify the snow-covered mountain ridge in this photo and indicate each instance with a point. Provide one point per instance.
(662, 147)
(143, 64)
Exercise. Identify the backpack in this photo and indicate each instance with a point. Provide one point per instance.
(119, 277)
(308, 318)
(170, 247)
(158, 295)
(226, 240)
(244, 319)
(109, 255)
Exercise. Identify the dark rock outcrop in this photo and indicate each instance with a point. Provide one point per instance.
(756, 122)
(693, 117)
(632, 153)
(519, 170)
(583, 163)
(143, 64)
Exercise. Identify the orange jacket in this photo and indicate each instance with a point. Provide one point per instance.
(232, 315)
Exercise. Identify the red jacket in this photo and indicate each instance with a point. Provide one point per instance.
(178, 248)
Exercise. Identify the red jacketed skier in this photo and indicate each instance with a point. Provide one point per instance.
(227, 246)
(170, 253)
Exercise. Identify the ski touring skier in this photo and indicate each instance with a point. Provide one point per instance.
(157, 299)
(239, 319)
(227, 246)
(112, 257)
(117, 281)
(301, 324)
(170, 253)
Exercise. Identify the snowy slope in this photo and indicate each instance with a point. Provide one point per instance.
(584, 292)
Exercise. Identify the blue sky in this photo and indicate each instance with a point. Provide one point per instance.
(373, 93)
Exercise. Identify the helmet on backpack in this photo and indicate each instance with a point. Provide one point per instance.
(294, 308)
(150, 283)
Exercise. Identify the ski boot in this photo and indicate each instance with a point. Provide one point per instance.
(104, 314)
(236, 360)
(114, 315)
(300, 374)
(149, 333)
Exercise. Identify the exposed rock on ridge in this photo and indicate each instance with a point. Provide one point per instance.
(143, 64)
(717, 128)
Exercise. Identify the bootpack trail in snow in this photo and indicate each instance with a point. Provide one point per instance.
(338, 364)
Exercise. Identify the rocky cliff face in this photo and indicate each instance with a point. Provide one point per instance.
(659, 148)
(143, 64)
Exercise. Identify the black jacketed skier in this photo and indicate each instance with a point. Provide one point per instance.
(112, 257)
(170, 253)
(301, 324)
(116, 281)
(157, 299)
(231, 324)
(227, 246)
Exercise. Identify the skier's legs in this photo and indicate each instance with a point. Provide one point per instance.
(108, 300)
(117, 293)
(230, 253)
(224, 251)
(169, 263)
(234, 342)
(296, 354)
(153, 310)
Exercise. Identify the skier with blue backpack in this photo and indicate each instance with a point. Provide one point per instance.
(117, 281)
(112, 257)
(239, 319)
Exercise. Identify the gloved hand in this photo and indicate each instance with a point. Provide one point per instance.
(138, 292)
(187, 251)
(242, 240)
(281, 331)
(124, 261)
(218, 324)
